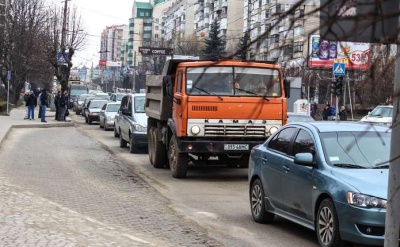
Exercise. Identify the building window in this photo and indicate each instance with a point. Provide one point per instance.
(141, 14)
(298, 31)
(298, 46)
(299, 14)
(288, 50)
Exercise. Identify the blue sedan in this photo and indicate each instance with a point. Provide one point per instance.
(331, 177)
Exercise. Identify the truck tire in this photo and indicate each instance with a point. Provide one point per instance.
(122, 142)
(178, 162)
(157, 152)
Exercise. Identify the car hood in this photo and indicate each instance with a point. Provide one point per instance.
(376, 119)
(373, 182)
(110, 114)
(141, 118)
(94, 109)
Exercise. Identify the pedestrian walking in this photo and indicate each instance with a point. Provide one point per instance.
(44, 101)
(62, 105)
(327, 112)
(38, 94)
(31, 102)
(26, 97)
(343, 113)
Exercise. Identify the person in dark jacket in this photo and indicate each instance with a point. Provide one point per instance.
(62, 105)
(327, 112)
(26, 97)
(31, 103)
(343, 114)
(44, 103)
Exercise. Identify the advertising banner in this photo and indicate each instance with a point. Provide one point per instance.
(102, 62)
(114, 63)
(324, 53)
(147, 51)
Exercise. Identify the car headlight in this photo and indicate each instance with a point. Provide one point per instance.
(139, 128)
(195, 130)
(365, 201)
(71, 100)
(109, 119)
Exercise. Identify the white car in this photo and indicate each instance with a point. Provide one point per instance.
(382, 114)
(107, 115)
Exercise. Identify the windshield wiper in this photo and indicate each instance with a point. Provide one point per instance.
(349, 166)
(252, 93)
(381, 166)
(208, 93)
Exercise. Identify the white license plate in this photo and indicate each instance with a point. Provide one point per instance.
(236, 146)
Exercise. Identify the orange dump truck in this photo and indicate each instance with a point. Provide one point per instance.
(205, 112)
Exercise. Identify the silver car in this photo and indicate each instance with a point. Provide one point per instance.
(107, 115)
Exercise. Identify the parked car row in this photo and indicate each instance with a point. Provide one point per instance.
(125, 115)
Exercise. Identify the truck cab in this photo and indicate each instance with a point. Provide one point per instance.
(131, 122)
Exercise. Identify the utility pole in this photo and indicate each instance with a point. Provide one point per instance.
(393, 198)
(64, 24)
(248, 29)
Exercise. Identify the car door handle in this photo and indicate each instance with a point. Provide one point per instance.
(286, 168)
(264, 160)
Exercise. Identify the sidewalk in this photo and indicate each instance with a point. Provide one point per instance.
(16, 120)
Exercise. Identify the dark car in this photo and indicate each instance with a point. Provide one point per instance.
(331, 177)
(93, 110)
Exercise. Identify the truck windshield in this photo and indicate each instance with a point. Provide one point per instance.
(233, 81)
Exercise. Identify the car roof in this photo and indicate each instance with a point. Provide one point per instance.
(388, 106)
(331, 126)
(136, 94)
(113, 103)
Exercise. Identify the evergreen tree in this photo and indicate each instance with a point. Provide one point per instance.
(241, 49)
(214, 44)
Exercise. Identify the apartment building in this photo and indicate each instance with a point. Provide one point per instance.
(229, 14)
(111, 43)
(279, 31)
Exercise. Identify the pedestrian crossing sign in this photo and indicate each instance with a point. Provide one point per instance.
(339, 69)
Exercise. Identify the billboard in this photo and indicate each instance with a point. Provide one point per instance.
(147, 51)
(369, 21)
(323, 53)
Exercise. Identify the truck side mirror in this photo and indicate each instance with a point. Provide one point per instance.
(167, 85)
(286, 84)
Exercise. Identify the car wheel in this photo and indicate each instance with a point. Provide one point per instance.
(157, 152)
(105, 126)
(327, 225)
(132, 146)
(178, 162)
(122, 142)
(86, 120)
(89, 121)
(116, 134)
(100, 126)
(257, 203)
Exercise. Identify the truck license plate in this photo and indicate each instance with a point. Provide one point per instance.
(236, 146)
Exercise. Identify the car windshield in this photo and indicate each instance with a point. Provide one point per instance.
(78, 91)
(139, 104)
(113, 107)
(366, 149)
(382, 112)
(233, 81)
(97, 104)
(82, 97)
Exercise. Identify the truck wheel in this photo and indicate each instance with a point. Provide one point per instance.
(86, 120)
(156, 150)
(132, 146)
(178, 162)
(116, 134)
(122, 142)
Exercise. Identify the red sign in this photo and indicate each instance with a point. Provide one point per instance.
(102, 62)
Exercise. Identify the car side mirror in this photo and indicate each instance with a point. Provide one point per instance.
(306, 159)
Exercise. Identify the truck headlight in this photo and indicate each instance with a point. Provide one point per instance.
(272, 130)
(195, 130)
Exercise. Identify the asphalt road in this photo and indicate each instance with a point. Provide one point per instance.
(84, 170)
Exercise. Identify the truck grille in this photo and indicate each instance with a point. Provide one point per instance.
(234, 130)
(204, 108)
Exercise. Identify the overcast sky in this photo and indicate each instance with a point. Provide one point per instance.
(96, 15)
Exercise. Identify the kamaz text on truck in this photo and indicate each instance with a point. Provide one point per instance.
(205, 112)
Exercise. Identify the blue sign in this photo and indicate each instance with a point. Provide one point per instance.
(9, 75)
(61, 59)
(339, 69)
